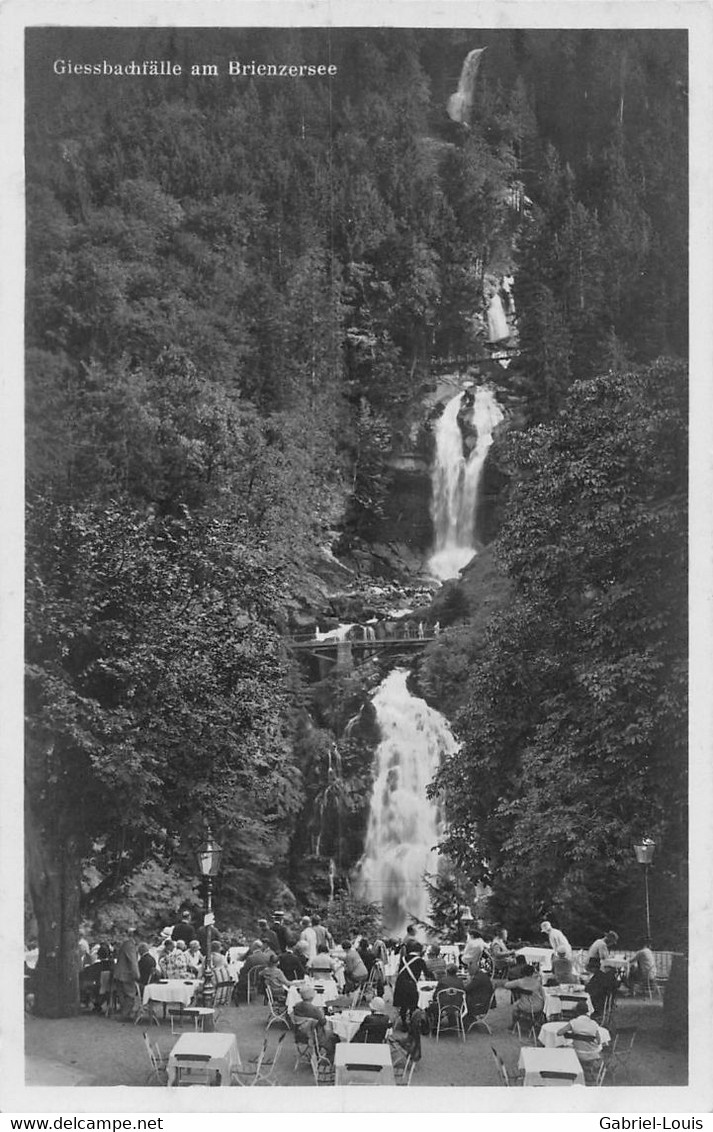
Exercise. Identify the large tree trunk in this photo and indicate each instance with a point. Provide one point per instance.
(54, 872)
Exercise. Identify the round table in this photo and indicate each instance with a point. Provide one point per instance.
(346, 1024)
(175, 990)
(328, 992)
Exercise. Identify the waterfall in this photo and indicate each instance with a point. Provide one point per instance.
(404, 824)
(456, 478)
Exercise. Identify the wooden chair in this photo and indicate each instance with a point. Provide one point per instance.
(158, 1063)
(264, 1071)
(451, 1011)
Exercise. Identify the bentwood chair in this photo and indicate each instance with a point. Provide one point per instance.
(278, 1010)
(264, 1071)
(158, 1064)
(305, 1040)
(451, 1011)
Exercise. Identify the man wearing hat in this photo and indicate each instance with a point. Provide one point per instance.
(556, 937)
(283, 936)
(374, 1027)
(268, 936)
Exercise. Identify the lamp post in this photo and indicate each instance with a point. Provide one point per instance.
(644, 851)
(465, 919)
(208, 855)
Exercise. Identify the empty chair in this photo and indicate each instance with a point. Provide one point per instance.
(278, 1010)
(452, 1010)
(621, 1050)
(194, 1069)
(158, 1064)
(555, 1077)
(264, 1066)
(505, 1078)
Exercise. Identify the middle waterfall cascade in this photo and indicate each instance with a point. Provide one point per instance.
(456, 479)
(404, 824)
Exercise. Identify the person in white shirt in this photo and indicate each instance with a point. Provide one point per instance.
(557, 939)
(473, 950)
(586, 1035)
(600, 948)
(309, 936)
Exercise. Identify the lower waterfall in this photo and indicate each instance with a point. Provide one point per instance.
(404, 825)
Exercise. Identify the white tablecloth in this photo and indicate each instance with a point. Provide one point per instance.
(175, 990)
(223, 1050)
(347, 1054)
(539, 956)
(533, 1060)
(549, 1037)
(553, 1003)
(328, 992)
(346, 1024)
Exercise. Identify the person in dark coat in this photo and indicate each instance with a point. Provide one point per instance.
(126, 977)
(601, 985)
(283, 936)
(184, 929)
(478, 995)
(147, 965)
(374, 1026)
(268, 937)
(411, 969)
(292, 964)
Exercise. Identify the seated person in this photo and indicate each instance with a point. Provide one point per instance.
(322, 965)
(377, 1022)
(172, 963)
(292, 964)
(642, 968)
(563, 972)
(271, 976)
(501, 954)
(435, 962)
(529, 996)
(601, 985)
(478, 995)
(586, 1035)
(450, 979)
(355, 973)
(194, 958)
(257, 957)
(305, 1008)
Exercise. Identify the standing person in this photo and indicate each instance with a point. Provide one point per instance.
(556, 938)
(412, 967)
(126, 977)
(501, 954)
(410, 945)
(147, 965)
(184, 929)
(600, 948)
(280, 930)
(473, 950)
(308, 936)
(324, 936)
(268, 936)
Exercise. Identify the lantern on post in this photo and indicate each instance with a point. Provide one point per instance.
(644, 850)
(208, 856)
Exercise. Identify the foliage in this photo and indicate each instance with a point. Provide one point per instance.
(348, 917)
(573, 726)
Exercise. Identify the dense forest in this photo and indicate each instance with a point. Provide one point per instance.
(238, 293)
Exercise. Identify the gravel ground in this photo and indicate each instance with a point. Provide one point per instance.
(93, 1050)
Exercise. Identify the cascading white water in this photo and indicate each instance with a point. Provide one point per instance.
(404, 824)
(456, 478)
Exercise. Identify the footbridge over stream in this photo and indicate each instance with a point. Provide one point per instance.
(341, 651)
